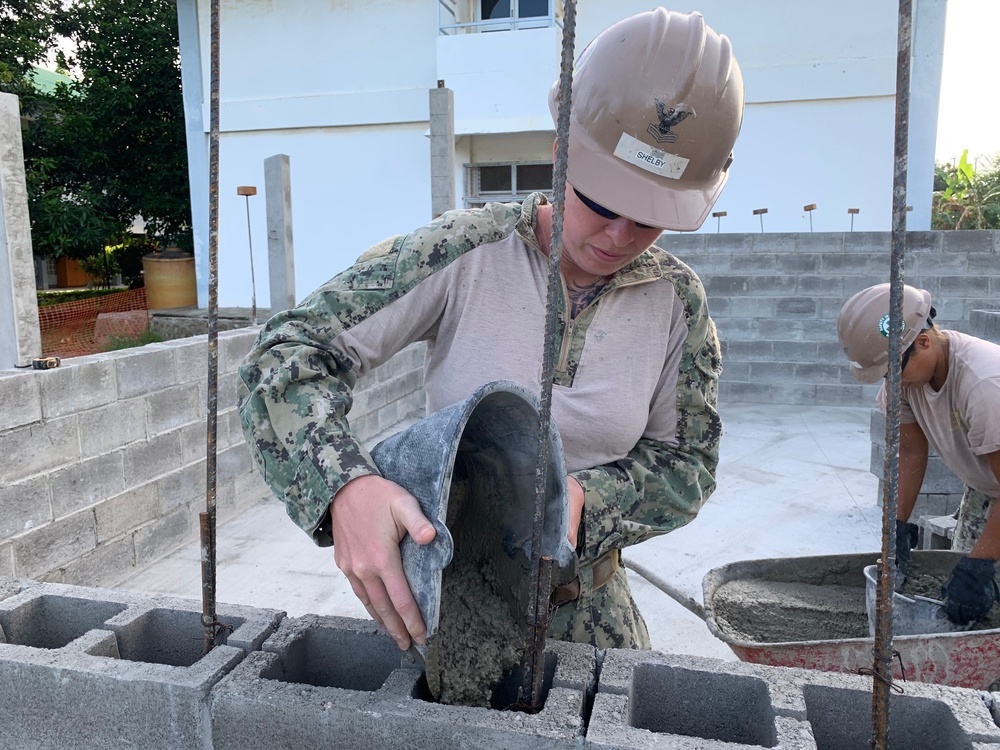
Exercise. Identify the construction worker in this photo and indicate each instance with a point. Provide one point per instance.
(951, 401)
(657, 105)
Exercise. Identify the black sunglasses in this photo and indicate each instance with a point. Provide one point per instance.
(906, 356)
(605, 213)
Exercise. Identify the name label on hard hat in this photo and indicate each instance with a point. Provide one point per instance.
(651, 159)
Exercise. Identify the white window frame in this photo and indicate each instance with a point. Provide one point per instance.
(465, 17)
(476, 197)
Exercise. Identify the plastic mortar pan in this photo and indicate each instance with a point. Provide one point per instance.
(969, 659)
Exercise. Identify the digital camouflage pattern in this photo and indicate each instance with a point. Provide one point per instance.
(972, 515)
(295, 393)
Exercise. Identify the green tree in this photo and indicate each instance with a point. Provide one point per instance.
(27, 31)
(109, 146)
(965, 197)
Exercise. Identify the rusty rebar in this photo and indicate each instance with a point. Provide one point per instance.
(207, 520)
(539, 604)
(882, 650)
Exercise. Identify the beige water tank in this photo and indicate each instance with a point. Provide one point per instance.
(170, 280)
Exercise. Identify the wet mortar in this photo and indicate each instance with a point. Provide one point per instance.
(761, 611)
(921, 582)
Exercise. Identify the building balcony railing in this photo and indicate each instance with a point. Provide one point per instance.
(465, 16)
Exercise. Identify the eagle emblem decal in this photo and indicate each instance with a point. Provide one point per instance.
(669, 118)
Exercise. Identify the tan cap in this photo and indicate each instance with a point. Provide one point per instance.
(863, 328)
(657, 104)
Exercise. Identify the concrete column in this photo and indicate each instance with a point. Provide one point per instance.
(925, 96)
(20, 337)
(280, 250)
(442, 115)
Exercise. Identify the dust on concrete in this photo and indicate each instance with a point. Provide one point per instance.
(477, 640)
(923, 582)
(762, 611)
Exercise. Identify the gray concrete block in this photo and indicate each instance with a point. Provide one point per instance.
(233, 462)
(323, 677)
(973, 287)
(164, 535)
(84, 483)
(182, 487)
(234, 346)
(173, 407)
(728, 286)
(748, 351)
(190, 358)
(79, 384)
(20, 398)
(820, 243)
(968, 241)
(751, 307)
(24, 506)
(39, 447)
(927, 264)
(145, 369)
(795, 307)
(867, 242)
(126, 511)
(152, 458)
(779, 329)
(795, 351)
(6, 567)
(920, 243)
(106, 565)
(111, 427)
(90, 668)
(55, 544)
(194, 441)
(772, 372)
(773, 286)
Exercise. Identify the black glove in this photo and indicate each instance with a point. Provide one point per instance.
(906, 539)
(971, 590)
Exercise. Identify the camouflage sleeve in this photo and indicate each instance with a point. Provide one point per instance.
(295, 386)
(659, 487)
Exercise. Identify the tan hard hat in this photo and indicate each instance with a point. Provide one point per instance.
(656, 106)
(863, 328)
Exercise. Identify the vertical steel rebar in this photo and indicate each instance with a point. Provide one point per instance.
(253, 280)
(207, 519)
(882, 650)
(538, 608)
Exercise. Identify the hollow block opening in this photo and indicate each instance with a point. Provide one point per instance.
(168, 636)
(843, 719)
(504, 696)
(329, 657)
(54, 621)
(711, 706)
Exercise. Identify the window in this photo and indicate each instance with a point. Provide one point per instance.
(506, 182)
(472, 16)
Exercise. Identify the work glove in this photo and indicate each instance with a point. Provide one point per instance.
(906, 539)
(971, 590)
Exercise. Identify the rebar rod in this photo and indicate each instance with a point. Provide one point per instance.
(253, 280)
(538, 607)
(882, 650)
(207, 519)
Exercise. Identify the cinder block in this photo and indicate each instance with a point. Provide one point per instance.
(173, 407)
(91, 668)
(24, 506)
(106, 565)
(936, 532)
(967, 241)
(752, 264)
(233, 462)
(6, 567)
(234, 346)
(867, 242)
(126, 511)
(921, 243)
(795, 351)
(741, 305)
(772, 372)
(779, 329)
(751, 705)
(795, 307)
(821, 374)
(78, 385)
(193, 439)
(39, 447)
(152, 458)
(144, 369)
(164, 535)
(55, 544)
(728, 286)
(951, 264)
(20, 398)
(323, 677)
(190, 358)
(974, 287)
(84, 483)
(111, 427)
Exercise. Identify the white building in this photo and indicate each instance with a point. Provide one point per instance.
(343, 89)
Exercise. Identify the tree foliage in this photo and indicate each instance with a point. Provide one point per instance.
(110, 146)
(964, 197)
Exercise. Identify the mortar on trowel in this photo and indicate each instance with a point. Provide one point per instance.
(916, 615)
(471, 466)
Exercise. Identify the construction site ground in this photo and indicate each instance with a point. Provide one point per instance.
(792, 481)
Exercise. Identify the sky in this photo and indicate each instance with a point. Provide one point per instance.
(969, 114)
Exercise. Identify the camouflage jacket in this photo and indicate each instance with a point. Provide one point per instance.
(634, 391)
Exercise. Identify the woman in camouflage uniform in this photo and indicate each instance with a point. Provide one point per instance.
(657, 104)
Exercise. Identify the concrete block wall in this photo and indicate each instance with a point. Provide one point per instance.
(92, 669)
(104, 457)
(775, 299)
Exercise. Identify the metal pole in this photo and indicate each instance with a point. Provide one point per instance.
(207, 519)
(541, 568)
(882, 650)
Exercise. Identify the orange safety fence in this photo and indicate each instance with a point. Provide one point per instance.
(73, 329)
